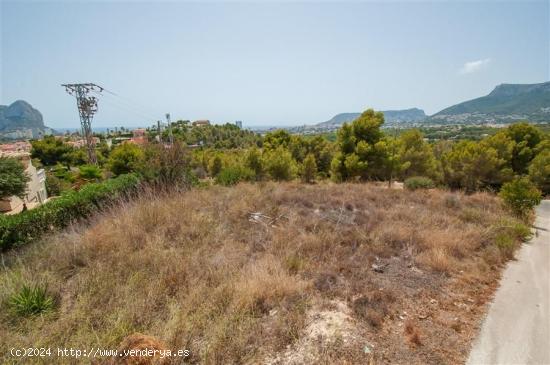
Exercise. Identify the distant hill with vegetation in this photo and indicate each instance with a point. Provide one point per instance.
(390, 116)
(506, 103)
(21, 120)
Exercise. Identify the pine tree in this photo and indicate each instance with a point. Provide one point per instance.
(309, 169)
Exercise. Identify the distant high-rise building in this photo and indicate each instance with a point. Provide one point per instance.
(239, 124)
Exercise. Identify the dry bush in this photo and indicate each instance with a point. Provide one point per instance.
(437, 259)
(374, 307)
(193, 271)
(412, 332)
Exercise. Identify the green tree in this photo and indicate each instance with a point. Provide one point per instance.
(322, 149)
(125, 158)
(253, 161)
(393, 164)
(526, 137)
(521, 196)
(309, 169)
(279, 164)
(276, 139)
(298, 147)
(416, 155)
(361, 150)
(539, 171)
(51, 150)
(13, 178)
(76, 157)
(471, 166)
(345, 142)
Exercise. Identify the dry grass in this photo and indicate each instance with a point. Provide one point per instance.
(195, 272)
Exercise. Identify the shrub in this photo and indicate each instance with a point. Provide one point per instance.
(31, 300)
(53, 185)
(30, 225)
(167, 166)
(125, 158)
(231, 175)
(90, 172)
(521, 231)
(509, 233)
(521, 196)
(63, 173)
(215, 166)
(419, 182)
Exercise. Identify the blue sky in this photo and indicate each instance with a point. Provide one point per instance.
(266, 63)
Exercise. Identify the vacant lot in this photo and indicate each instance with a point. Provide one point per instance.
(271, 273)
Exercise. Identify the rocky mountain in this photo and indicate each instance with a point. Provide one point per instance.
(391, 117)
(20, 120)
(505, 104)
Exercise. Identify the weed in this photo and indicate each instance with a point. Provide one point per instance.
(294, 263)
(506, 244)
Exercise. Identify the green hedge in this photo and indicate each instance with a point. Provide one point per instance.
(27, 226)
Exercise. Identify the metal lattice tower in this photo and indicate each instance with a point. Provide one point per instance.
(87, 107)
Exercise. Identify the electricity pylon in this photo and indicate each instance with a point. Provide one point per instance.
(87, 107)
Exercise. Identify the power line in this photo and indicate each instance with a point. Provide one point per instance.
(87, 107)
(143, 117)
(132, 103)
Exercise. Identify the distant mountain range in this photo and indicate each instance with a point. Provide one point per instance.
(505, 104)
(391, 116)
(20, 120)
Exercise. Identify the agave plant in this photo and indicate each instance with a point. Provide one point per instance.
(31, 300)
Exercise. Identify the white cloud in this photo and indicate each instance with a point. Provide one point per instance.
(474, 66)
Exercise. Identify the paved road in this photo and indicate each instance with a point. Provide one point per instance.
(517, 327)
